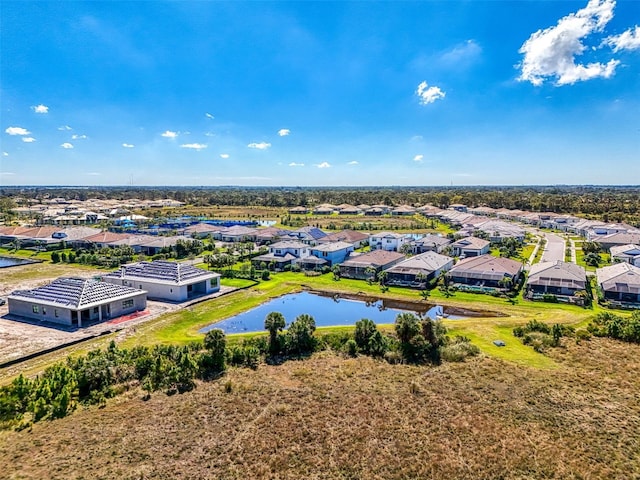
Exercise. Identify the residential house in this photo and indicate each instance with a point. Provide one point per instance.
(202, 230)
(333, 253)
(173, 281)
(299, 210)
(618, 239)
(359, 266)
(236, 233)
(308, 235)
(418, 270)
(76, 301)
(357, 239)
(281, 254)
(627, 254)
(470, 247)
(556, 278)
(389, 241)
(264, 236)
(403, 211)
(485, 272)
(620, 283)
(429, 243)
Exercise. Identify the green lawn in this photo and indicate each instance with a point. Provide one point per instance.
(182, 326)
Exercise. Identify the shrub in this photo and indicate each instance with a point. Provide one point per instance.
(582, 334)
(365, 329)
(393, 357)
(351, 347)
(265, 275)
(459, 350)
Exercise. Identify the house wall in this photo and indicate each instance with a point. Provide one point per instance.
(333, 257)
(63, 316)
(163, 291)
(47, 313)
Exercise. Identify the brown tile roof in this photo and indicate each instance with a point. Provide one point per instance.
(376, 258)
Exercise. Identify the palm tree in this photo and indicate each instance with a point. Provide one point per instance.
(274, 323)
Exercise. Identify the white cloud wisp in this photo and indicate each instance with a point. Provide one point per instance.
(259, 146)
(628, 40)
(194, 146)
(40, 108)
(283, 132)
(17, 131)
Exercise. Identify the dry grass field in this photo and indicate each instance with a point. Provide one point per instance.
(337, 418)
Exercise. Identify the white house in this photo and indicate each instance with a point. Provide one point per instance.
(283, 253)
(626, 253)
(164, 280)
(76, 301)
(389, 241)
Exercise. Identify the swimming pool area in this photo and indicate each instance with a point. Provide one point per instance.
(6, 262)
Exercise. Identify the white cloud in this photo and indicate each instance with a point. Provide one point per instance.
(353, 163)
(283, 132)
(94, 174)
(66, 145)
(40, 109)
(7, 173)
(78, 137)
(208, 115)
(170, 134)
(550, 53)
(294, 164)
(5, 154)
(128, 145)
(323, 165)
(28, 139)
(17, 131)
(224, 155)
(628, 40)
(259, 146)
(65, 127)
(429, 94)
(194, 146)
(418, 158)
(209, 134)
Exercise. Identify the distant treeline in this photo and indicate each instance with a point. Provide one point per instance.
(610, 203)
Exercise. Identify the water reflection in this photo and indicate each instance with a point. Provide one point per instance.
(327, 310)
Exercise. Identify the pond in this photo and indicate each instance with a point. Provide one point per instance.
(327, 311)
(12, 261)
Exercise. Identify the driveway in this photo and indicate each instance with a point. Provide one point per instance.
(554, 249)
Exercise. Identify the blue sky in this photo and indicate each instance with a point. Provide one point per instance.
(320, 93)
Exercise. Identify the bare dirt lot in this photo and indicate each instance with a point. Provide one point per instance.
(19, 337)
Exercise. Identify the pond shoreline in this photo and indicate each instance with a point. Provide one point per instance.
(404, 304)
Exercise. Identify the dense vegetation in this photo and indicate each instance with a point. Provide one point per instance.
(101, 374)
(610, 203)
(619, 327)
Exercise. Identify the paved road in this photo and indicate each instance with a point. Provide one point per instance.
(554, 249)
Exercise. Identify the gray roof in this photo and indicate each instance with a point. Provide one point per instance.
(432, 240)
(162, 272)
(486, 267)
(629, 250)
(557, 274)
(621, 277)
(377, 258)
(332, 247)
(471, 243)
(288, 244)
(76, 293)
(425, 262)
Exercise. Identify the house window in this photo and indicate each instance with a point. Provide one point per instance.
(214, 282)
(55, 312)
(324, 254)
(35, 308)
(127, 303)
(44, 311)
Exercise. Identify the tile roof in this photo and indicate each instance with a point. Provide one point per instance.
(350, 236)
(473, 243)
(620, 277)
(76, 293)
(558, 274)
(425, 262)
(162, 271)
(332, 247)
(486, 267)
(376, 257)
